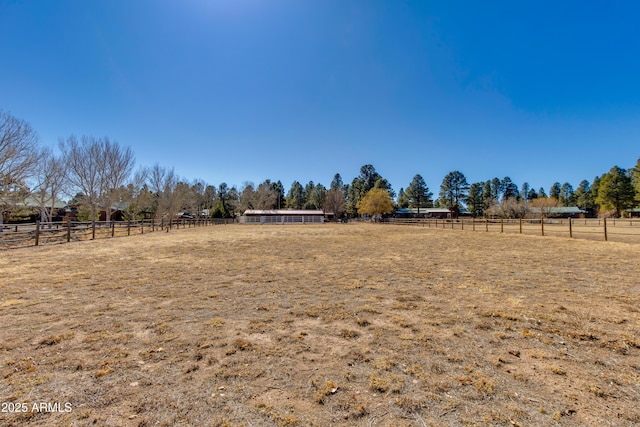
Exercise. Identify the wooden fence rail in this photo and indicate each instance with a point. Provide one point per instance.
(612, 229)
(43, 233)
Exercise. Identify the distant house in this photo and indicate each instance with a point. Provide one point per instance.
(281, 216)
(559, 212)
(34, 205)
(634, 213)
(424, 213)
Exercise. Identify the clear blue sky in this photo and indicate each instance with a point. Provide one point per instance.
(245, 90)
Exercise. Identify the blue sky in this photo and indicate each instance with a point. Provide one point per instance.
(246, 90)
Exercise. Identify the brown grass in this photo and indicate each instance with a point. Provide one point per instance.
(344, 325)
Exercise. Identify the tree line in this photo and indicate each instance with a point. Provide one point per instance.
(98, 175)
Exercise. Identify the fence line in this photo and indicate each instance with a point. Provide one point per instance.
(611, 229)
(43, 233)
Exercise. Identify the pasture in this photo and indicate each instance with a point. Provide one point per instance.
(321, 325)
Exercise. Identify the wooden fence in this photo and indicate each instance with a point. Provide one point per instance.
(608, 229)
(45, 233)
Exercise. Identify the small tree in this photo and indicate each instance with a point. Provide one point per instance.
(544, 205)
(334, 202)
(375, 203)
(49, 181)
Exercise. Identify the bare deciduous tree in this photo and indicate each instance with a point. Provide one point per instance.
(96, 167)
(49, 181)
(334, 202)
(19, 156)
(163, 183)
(118, 163)
(542, 207)
(247, 197)
(83, 162)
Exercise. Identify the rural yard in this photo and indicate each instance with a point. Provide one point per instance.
(321, 325)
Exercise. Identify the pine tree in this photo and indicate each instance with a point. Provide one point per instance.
(454, 190)
(475, 200)
(418, 194)
(616, 190)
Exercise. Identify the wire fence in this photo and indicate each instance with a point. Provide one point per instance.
(48, 233)
(625, 230)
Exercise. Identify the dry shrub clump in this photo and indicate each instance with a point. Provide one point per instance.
(316, 325)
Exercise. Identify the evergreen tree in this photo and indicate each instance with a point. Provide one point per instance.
(635, 178)
(582, 195)
(487, 195)
(554, 191)
(475, 200)
(509, 189)
(278, 189)
(403, 199)
(222, 210)
(417, 194)
(316, 197)
(454, 190)
(308, 191)
(496, 189)
(360, 186)
(337, 183)
(567, 195)
(593, 194)
(616, 190)
(295, 196)
(524, 191)
(541, 193)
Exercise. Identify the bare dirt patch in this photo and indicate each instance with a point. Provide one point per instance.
(322, 325)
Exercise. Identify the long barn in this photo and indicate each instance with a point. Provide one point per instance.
(281, 216)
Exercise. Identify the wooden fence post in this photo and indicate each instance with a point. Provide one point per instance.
(129, 227)
(605, 230)
(520, 225)
(486, 224)
(542, 225)
(142, 227)
(502, 225)
(37, 232)
(462, 224)
(113, 228)
(570, 229)
(68, 229)
(93, 229)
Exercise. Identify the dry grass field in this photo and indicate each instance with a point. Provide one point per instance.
(321, 325)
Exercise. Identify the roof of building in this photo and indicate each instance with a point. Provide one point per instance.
(282, 212)
(424, 210)
(559, 210)
(33, 202)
